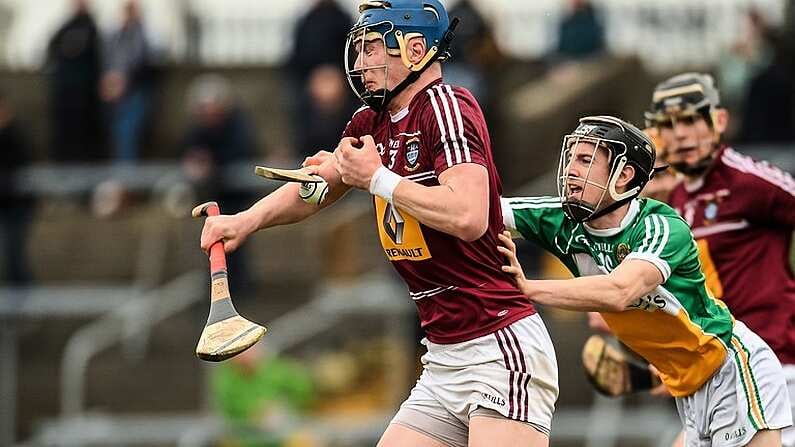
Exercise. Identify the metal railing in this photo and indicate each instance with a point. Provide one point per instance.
(132, 319)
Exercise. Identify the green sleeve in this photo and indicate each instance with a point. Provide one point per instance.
(537, 219)
(666, 242)
(241, 396)
(231, 395)
(294, 384)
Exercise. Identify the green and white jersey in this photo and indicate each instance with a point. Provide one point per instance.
(679, 328)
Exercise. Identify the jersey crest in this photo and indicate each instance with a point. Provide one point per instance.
(622, 250)
(412, 154)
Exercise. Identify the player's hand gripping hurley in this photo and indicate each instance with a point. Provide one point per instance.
(226, 333)
(613, 370)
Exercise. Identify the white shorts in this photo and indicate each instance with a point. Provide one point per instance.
(788, 434)
(510, 373)
(747, 394)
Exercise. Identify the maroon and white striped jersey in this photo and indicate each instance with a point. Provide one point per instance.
(460, 291)
(742, 214)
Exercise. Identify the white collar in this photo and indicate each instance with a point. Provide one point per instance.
(400, 115)
(693, 186)
(634, 209)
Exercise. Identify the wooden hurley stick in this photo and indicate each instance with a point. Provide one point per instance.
(226, 333)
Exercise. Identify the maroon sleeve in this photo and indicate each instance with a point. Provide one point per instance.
(360, 123)
(456, 128)
(771, 197)
(767, 192)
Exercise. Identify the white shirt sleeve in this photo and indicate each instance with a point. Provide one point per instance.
(508, 218)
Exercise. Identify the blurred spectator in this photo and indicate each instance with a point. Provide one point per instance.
(218, 135)
(473, 52)
(317, 39)
(580, 33)
(17, 209)
(73, 70)
(327, 107)
(260, 398)
(126, 83)
(769, 111)
(193, 34)
(746, 56)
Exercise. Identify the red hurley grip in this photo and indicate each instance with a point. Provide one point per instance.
(217, 255)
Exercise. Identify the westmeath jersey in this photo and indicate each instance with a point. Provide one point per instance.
(460, 291)
(742, 215)
(679, 327)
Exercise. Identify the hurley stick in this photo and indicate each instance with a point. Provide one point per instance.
(226, 333)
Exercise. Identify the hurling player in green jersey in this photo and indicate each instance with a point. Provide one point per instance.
(637, 264)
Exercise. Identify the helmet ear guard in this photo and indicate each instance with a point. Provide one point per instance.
(611, 184)
(404, 53)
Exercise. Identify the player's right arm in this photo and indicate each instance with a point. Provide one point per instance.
(612, 292)
(281, 207)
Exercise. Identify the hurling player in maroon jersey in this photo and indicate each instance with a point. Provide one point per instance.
(741, 212)
(422, 149)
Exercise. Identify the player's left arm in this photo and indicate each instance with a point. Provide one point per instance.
(612, 292)
(458, 206)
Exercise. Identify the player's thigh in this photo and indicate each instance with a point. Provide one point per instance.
(680, 440)
(485, 431)
(397, 435)
(766, 438)
(788, 434)
(422, 420)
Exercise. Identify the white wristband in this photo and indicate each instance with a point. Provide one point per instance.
(383, 183)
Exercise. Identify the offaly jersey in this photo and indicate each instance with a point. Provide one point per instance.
(460, 291)
(679, 328)
(742, 215)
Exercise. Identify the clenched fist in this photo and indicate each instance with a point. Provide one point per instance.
(357, 160)
(232, 229)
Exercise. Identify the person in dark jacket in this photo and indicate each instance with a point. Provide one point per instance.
(73, 69)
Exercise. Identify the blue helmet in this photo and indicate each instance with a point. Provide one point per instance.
(426, 17)
(396, 22)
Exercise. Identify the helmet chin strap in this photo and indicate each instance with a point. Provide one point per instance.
(702, 165)
(578, 210)
(613, 206)
(695, 170)
(379, 99)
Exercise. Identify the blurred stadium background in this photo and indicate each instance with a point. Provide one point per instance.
(117, 117)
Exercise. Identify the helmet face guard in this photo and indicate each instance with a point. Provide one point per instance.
(571, 188)
(668, 118)
(689, 116)
(686, 98)
(357, 62)
(394, 23)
